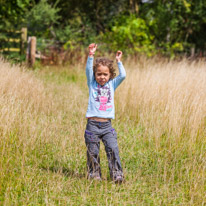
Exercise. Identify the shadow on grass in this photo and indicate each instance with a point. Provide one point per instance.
(65, 171)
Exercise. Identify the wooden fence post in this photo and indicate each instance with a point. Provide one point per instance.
(192, 52)
(28, 51)
(31, 50)
(23, 40)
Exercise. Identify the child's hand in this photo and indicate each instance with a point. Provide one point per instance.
(118, 56)
(92, 49)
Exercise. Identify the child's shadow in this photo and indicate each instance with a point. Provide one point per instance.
(64, 171)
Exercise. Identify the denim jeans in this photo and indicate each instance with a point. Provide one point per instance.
(96, 131)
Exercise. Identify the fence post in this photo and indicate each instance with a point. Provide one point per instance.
(31, 50)
(23, 40)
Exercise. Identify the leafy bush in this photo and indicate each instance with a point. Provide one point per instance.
(130, 34)
(41, 18)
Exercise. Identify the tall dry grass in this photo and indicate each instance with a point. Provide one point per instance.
(163, 105)
(160, 119)
(39, 126)
(166, 97)
(22, 96)
(27, 103)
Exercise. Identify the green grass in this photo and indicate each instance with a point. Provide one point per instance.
(43, 158)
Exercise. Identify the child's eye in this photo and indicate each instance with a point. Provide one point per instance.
(105, 74)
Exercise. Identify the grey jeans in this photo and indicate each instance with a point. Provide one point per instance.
(96, 131)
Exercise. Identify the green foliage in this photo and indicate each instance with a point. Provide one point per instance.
(75, 33)
(12, 18)
(15, 58)
(169, 27)
(41, 18)
(12, 13)
(179, 22)
(130, 34)
(97, 13)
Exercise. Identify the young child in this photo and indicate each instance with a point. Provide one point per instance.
(102, 83)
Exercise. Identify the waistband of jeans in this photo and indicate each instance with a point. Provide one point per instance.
(98, 122)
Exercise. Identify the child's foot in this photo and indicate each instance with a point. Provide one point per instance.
(118, 179)
(94, 176)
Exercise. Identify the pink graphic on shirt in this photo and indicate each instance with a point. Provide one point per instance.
(104, 97)
(103, 100)
(103, 107)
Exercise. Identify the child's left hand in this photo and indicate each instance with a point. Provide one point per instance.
(118, 56)
(92, 49)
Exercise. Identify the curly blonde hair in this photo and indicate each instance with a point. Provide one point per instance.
(102, 61)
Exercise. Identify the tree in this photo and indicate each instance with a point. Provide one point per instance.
(176, 24)
(130, 34)
(12, 12)
(41, 19)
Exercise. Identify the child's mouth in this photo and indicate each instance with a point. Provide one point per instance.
(102, 82)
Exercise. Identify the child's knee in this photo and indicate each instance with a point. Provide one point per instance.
(93, 148)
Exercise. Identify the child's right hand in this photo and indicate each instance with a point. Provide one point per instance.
(92, 49)
(118, 56)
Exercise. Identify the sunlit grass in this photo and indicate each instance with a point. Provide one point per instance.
(160, 120)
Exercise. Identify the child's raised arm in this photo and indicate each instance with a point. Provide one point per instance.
(89, 66)
(122, 73)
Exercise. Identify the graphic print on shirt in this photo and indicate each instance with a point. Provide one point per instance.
(103, 96)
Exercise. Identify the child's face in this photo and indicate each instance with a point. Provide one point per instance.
(102, 75)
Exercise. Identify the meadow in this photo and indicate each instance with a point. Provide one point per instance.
(161, 125)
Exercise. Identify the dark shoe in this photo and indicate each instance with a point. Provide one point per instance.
(94, 176)
(118, 179)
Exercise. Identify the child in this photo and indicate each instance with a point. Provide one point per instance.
(102, 84)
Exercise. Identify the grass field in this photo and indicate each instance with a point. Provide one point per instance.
(161, 125)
